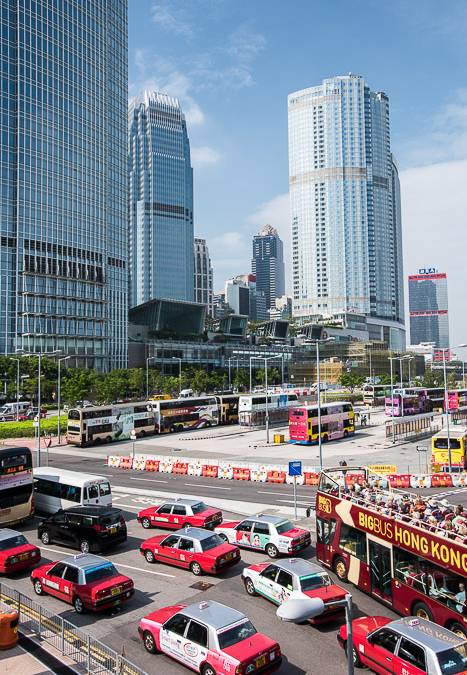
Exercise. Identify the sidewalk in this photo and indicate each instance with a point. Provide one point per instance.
(29, 657)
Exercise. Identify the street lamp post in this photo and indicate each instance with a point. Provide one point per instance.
(64, 358)
(149, 358)
(266, 383)
(316, 342)
(39, 355)
(251, 383)
(17, 386)
(391, 359)
(177, 358)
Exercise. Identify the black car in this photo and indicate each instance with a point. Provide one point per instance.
(88, 528)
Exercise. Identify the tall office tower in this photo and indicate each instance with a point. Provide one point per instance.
(203, 284)
(161, 201)
(428, 308)
(345, 206)
(267, 264)
(64, 229)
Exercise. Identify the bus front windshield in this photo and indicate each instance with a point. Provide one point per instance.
(74, 415)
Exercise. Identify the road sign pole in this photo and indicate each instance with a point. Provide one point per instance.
(295, 495)
(133, 437)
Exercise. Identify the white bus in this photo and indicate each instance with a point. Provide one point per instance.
(249, 402)
(56, 489)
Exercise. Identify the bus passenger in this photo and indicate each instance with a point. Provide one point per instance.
(460, 597)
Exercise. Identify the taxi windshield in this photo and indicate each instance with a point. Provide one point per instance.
(230, 636)
(211, 542)
(454, 660)
(12, 542)
(283, 527)
(315, 581)
(100, 573)
(198, 508)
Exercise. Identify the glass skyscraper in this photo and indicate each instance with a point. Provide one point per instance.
(203, 277)
(345, 204)
(64, 242)
(428, 308)
(161, 201)
(267, 264)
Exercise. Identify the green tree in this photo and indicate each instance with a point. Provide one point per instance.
(433, 378)
(199, 382)
(451, 381)
(115, 385)
(77, 385)
(386, 379)
(217, 380)
(242, 379)
(351, 380)
(171, 386)
(136, 382)
(156, 381)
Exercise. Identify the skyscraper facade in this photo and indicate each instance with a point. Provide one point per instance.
(63, 281)
(345, 205)
(267, 264)
(428, 308)
(161, 200)
(203, 280)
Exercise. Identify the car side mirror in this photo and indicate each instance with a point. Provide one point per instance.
(370, 639)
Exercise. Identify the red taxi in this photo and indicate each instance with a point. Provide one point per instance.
(180, 513)
(85, 581)
(16, 553)
(211, 639)
(192, 548)
(408, 646)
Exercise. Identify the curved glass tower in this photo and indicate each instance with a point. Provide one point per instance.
(161, 201)
(345, 204)
(64, 241)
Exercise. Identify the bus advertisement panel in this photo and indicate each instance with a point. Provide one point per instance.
(337, 421)
(403, 404)
(187, 413)
(16, 487)
(104, 424)
(458, 443)
(416, 571)
(457, 398)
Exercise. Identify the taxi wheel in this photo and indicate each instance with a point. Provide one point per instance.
(458, 629)
(187, 525)
(84, 546)
(340, 568)
(38, 587)
(149, 555)
(208, 670)
(78, 605)
(224, 538)
(149, 642)
(272, 551)
(356, 656)
(196, 569)
(146, 523)
(423, 611)
(250, 587)
(45, 538)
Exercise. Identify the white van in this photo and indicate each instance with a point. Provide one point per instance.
(56, 489)
(8, 410)
(186, 393)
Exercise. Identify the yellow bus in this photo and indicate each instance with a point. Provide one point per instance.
(458, 443)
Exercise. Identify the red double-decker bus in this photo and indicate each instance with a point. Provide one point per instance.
(415, 571)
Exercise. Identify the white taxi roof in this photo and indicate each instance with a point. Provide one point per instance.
(214, 614)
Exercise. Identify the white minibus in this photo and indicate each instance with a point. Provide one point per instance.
(56, 489)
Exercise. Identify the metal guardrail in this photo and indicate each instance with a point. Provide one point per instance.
(92, 655)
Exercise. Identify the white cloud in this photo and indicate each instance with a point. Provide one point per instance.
(204, 156)
(171, 20)
(434, 208)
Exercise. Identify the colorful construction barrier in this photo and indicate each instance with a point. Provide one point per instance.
(241, 474)
(126, 462)
(210, 470)
(180, 467)
(276, 476)
(152, 465)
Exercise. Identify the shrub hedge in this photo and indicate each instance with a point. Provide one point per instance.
(26, 429)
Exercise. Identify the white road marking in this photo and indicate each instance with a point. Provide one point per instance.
(151, 480)
(291, 501)
(211, 487)
(286, 494)
(117, 564)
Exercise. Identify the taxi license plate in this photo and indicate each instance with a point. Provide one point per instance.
(260, 662)
(115, 591)
(112, 530)
(24, 556)
(302, 539)
(331, 607)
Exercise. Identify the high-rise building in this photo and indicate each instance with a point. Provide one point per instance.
(243, 297)
(203, 282)
(345, 206)
(64, 229)
(267, 264)
(428, 308)
(161, 200)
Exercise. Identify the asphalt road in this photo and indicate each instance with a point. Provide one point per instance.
(306, 649)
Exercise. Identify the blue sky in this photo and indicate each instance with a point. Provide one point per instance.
(232, 63)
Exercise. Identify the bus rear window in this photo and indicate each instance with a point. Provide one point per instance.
(297, 413)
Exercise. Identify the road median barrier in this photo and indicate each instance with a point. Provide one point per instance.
(126, 462)
(152, 465)
(210, 470)
(241, 474)
(276, 476)
(180, 467)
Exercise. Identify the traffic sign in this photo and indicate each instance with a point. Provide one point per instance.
(133, 433)
(295, 468)
(47, 442)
